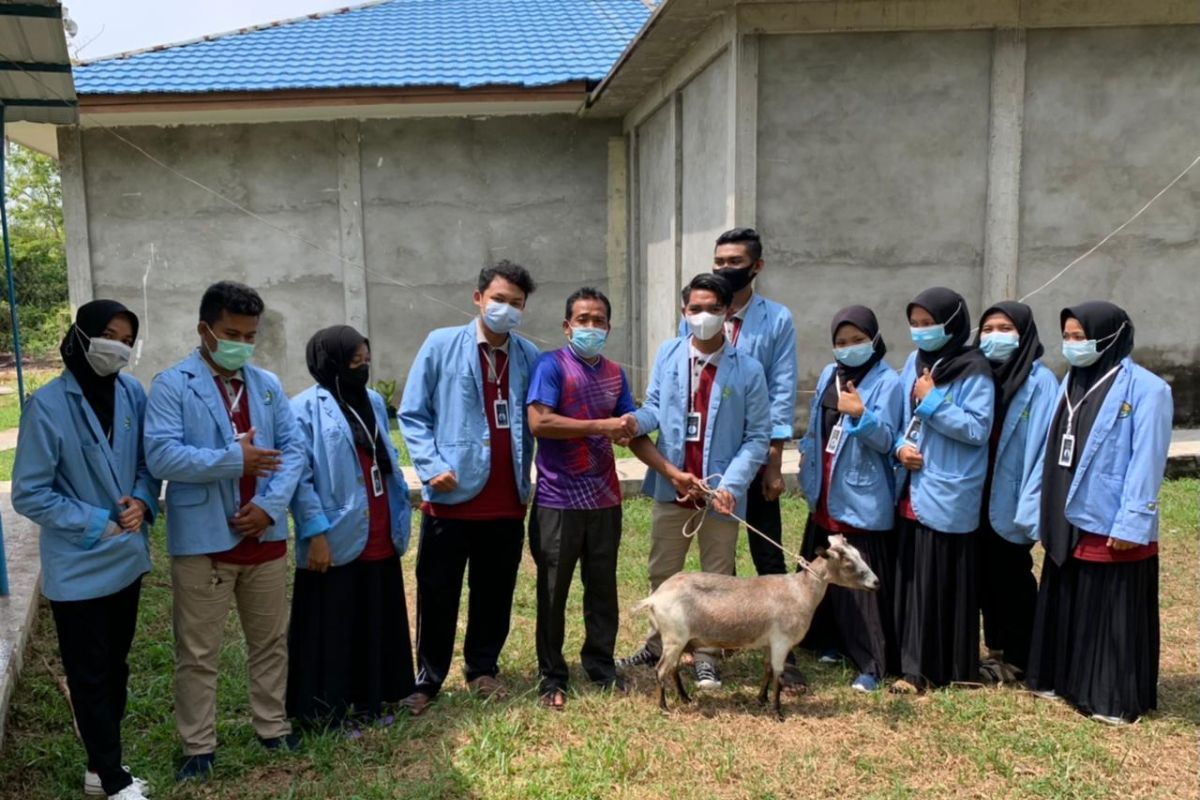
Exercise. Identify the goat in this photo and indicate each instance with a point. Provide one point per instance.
(772, 612)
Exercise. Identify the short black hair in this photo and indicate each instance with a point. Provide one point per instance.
(588, 293)
(711, 282)
(744, 236)
(232, 297)
(513, 273)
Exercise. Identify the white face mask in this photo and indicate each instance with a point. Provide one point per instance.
(705, 325)
(105, 356)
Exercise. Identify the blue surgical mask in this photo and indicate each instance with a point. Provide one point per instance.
(934, 337)
(930, 339)
(588, 342)
(1080, 354)
(501, 317)
(1086, 353)
(999, 347)
(855, 355)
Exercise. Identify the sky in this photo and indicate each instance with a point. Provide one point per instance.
(116, 26)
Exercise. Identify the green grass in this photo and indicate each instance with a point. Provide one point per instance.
(834, 742)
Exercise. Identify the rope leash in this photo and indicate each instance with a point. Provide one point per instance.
(695, 522)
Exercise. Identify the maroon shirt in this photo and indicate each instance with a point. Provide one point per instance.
(379, 515)
(499, 498)
(248, 550)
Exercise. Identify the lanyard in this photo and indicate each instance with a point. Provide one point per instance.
(367, 431)
(1071, 409)
(696, 370)
(233, 402)
(493, 377)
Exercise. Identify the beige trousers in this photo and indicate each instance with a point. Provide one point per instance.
(669, 549)
(203, 590)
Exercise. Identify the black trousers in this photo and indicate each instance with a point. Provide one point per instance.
(492, 549)
(1007, 594)
(94, 637)
(558, 539)
(764, 515)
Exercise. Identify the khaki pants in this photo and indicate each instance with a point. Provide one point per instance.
(203, 590)
(669, 549)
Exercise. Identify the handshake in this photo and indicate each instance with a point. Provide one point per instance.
(618, 429)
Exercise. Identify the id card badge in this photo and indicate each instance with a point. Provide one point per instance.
(835, 438)
(500, 409)
(376, 481)
(692, 430)
(1066, 450)
(912, 434)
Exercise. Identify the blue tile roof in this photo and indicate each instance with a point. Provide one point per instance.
(392, 43)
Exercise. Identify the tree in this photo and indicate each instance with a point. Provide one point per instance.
(35, 224)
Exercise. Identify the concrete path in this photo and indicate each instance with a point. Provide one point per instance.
(8, 438)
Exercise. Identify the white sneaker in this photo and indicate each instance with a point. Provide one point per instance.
(1107, 720)
(1045, 694)
(93, 788)
(130, 792)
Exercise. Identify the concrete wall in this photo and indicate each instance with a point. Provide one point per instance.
(872, 176)
(438, 199)
(656, 192)
(1102, 135)
(706, 131)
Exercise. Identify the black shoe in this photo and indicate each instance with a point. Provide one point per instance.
(197, 766)
(288, 743)
(614, 685)
(641, 658)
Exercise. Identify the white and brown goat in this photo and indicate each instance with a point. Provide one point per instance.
(772, 612)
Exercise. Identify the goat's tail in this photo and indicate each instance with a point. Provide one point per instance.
(644, 605)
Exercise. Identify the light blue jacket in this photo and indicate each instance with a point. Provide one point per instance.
(769, 337)
(947, 491)
(1013, 511)
(862, 489)
(1121, 466)
(332, 484)
(442, 416)
(68, 479)
(738, 429)
(190, 444)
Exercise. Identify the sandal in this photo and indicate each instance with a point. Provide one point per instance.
(416, 703)
(554, 700)
(486, 686)
(903, 686)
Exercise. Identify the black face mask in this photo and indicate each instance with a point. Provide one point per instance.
(356, 377)
(739, 277)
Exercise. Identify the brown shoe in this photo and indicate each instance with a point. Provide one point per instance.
(416, 703)
(486, 686)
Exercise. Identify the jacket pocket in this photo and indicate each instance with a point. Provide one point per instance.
(187, 494)
(862, 470)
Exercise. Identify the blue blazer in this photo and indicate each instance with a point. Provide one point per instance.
(1121, 466)
(68, 478)
(332, 484)
(442, 416)
(862, 489)
(738, 429)
(190, 444)
(769, 337)
(1012, 510)
(947, 491)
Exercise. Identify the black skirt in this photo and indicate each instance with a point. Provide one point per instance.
(857, 623)
(1096, 636)
(349, 649)
(1007, 594)
(936, 605)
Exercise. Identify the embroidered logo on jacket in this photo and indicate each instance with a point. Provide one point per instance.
(1126, 410)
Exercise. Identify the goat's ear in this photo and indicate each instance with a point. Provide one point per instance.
(822, 552)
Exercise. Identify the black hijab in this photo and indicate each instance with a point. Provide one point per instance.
(956, 359)
(100, 391)
(1099, 320)
(1011, 374)
(329, 353)
(862, 318)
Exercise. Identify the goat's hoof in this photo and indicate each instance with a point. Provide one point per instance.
(762, 699)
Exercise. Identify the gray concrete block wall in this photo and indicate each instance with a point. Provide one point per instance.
(444, 196)
(145, 223)
(1111, 117)
(657, 227)
(441, 198)
(872, 176)
(705, 140)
